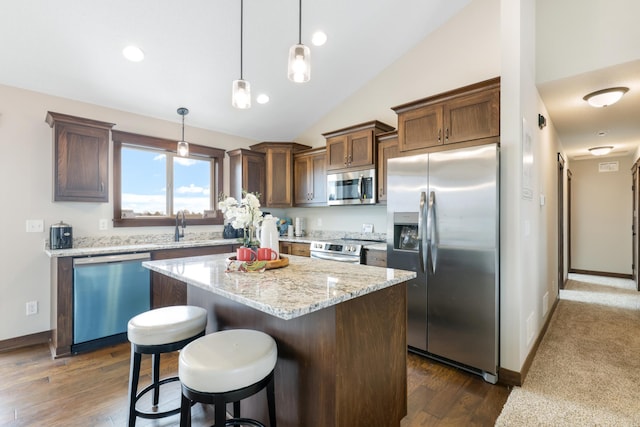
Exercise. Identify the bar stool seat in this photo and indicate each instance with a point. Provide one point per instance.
(154, 332)
(227, 366)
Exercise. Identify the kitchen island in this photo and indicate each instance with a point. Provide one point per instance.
(340, 330)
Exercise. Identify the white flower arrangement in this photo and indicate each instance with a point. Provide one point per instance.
(245, 214)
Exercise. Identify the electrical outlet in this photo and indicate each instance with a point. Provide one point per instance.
(103, 224)
(35, 225)
(32, 308)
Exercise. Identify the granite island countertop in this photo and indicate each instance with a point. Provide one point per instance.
(304, 286)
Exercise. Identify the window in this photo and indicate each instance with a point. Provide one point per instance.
(152, 183)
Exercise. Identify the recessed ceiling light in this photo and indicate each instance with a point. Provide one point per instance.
(133, 53)
(262, 98)
(319, 38)
(604, 97)
(601, 151)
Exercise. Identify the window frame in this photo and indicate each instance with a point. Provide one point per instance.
(216, 155)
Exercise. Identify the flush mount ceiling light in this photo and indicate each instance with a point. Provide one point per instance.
(183, 146)
(601, 151)
(133, 53)
(299, 66)
(241, 89)
(605, 97)
(318, 38)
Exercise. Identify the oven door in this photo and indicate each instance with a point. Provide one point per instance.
(352, 188)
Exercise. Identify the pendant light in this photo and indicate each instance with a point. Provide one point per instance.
(183, 146)
(299, 69)
(241, 89)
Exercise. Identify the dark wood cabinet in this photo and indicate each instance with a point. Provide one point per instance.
(294, 248)
(375, 258)
(465, 114)
(353, 147)
(81, 158)
(247, 172)
(310, 177)
(279, 171)
(387, 149)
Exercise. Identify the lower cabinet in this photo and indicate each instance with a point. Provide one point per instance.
(375, 258)
(293, 248)
(166, 291)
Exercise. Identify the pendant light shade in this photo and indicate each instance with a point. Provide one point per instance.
(241, 94)
(299, 69)
(299, 63)
(241, 89)
(183, 146)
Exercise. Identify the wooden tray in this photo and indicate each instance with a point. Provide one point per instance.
(235, 265)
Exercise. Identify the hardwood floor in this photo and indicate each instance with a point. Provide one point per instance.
(91, 390)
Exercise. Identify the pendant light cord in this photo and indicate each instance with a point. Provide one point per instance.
(241, 25)
(300, 22)
(183, 126)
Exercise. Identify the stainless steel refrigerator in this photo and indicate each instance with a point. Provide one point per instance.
(442, 222)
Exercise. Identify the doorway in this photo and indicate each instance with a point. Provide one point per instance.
(561, 163)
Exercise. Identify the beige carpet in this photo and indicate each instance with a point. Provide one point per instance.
(587, 369)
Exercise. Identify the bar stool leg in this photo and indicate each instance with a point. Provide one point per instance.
(134, 375)
(271, 402)
(155, 378)
(220, 412)
(185, 412)
(236, 409)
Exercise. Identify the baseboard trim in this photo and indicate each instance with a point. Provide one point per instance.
(513, 378)
(601, 273)
(25, 341)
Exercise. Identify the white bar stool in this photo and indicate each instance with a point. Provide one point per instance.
(227, 366)
(154, 332)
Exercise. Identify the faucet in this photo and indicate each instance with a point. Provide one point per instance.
(183, 224)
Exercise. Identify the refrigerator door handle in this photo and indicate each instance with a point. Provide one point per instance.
(422, 234)
(360, 189)
(432, 231)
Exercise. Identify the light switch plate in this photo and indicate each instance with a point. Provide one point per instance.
(367, 228)
(35, 225)
(103, 224)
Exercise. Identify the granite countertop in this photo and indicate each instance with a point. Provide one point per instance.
(160, 245)
(137, 247)
(304, 286)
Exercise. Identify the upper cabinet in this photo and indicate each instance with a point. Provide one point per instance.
(353, 147)
(310, 177)
(387, 149)
(465, 114)
(81, 158)
(279, 171)
(247, 172)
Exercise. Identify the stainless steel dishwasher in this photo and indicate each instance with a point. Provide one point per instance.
(108, 290)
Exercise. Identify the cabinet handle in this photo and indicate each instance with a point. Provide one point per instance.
(446, 136)
(102, 186)
(346, 158)
(439, 135)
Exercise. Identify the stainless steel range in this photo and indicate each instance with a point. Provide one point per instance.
(341, 250)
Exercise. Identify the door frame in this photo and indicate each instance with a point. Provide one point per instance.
(635, 243)
(560, 183)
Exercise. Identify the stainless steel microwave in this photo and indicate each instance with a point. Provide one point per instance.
(352, 188)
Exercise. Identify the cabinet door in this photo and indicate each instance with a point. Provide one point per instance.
(246, 172)
(279, 177)
(360, 149)
(285, 248)
(81, 163)
(301, 174)
(337, 157)
(472, 117)
(319, 179)
(387, 149)
(420, 128)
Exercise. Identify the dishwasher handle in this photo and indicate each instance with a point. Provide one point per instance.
(106, 259)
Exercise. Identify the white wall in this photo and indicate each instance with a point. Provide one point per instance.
(601, 216)
(26, 167)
